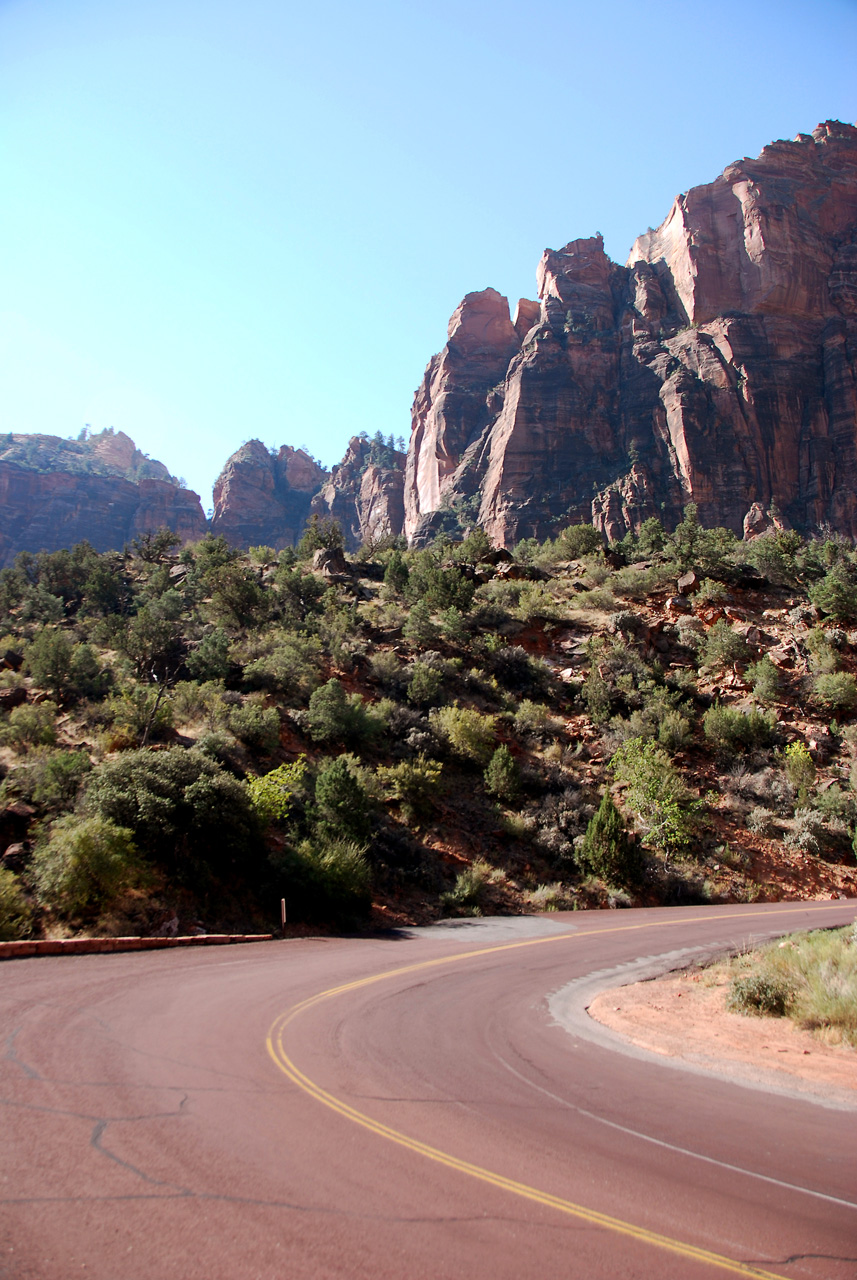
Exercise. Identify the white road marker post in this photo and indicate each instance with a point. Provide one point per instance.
(283, 916)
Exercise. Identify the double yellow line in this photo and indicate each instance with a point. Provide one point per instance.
(277, 1050)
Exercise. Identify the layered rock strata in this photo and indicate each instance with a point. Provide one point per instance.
(54, 493)
(719, 365)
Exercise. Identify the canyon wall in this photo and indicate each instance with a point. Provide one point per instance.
(54, 493)
(718, 365)
(262, 497)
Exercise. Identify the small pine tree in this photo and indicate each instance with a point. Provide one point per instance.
(502, 777)
(607, 849)
(342, 800)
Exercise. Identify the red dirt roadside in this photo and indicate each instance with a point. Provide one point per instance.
(685, 1016)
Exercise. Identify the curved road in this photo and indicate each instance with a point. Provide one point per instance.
(399, 1107)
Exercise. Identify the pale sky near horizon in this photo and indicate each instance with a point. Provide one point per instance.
(224, 221)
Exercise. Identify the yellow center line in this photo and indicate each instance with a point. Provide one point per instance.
(276, 1049)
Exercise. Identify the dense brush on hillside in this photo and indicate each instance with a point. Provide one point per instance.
(186, 736)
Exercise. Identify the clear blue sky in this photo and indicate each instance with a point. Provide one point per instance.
(229, 220)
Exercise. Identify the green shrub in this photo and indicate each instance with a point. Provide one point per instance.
(85, 864)
(710, 591)
(503, 776)
(765, 679)
(674, 731)
(469, 733)
(533, 717)
(424, 685)
(439, 586)
(419, 628)
(412, 782)
(723, 646)
(256, 726)
(765, 994)
(517, 671)
(140, 710)
(396, 574)
(210, 659)
(320, 533)
(325, 880)
(453, 624)
(599, 697)
(578, 540)
(835, 693)
(607, 849)
(387, 670)
(657, 794)
(342, 801)
(192, 701)
(63, 668)
(334, 716)
(30, 726)
(272, 795)
(15, 913)
(186, 813)
(709, 551)
(732, 729)
(800, 769)
(776, 554)
(465, 897)
(50, 779)
(836, 593)
(237, 596)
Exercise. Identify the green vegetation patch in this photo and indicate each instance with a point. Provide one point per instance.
(808, 977)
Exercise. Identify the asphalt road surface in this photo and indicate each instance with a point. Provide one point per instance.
(399, 1107)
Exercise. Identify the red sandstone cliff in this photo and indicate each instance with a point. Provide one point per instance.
(365, 492)
(263, 498)
(56, 492)
(719, 365)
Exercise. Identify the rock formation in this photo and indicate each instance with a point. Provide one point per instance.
(56, 492)
(365, 492)
(263, 498)
(719, 365)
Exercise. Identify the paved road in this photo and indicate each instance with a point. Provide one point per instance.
(398, 1107)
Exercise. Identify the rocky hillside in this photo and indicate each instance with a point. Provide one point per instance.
(185, 738)
(100, 488)
(719, 365)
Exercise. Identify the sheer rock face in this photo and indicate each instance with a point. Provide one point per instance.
(366, 499)
(54, 493)
(263, 499)
(719, 366)
(450, 407)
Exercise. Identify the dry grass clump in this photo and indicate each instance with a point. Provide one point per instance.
(808, 977)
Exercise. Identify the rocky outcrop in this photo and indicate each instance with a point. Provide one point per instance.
(54, 493)
(365, 492)
(452, 405)
(262, 498)
(719, 365)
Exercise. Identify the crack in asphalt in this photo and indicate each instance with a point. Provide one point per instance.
(10, 1054)
(796, 1257)
(218, 1198)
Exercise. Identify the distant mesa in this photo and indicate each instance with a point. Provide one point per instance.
(718, 366)
(54, 493)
